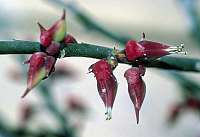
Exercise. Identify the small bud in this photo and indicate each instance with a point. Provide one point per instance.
(106, 84)
(136, 88)
(69, 39)
(40, 67)
(149, 49)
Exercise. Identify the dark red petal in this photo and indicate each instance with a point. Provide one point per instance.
(150, 45)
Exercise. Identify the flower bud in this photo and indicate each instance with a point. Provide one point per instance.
(55, 33)
(106, 84)
(40, 67)
(136, 88)
(149, 49)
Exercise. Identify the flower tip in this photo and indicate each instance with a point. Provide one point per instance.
(143, 36)
(137, 114)
(42, 29)
(108, 113)
(177, 49)
(25, 93)
(63, 15)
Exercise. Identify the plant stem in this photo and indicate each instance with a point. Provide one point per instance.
(98, 52)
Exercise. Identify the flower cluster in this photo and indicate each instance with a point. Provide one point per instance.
(42, 64)
(136, 53)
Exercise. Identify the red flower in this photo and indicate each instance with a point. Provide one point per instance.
(40, 68)
(106, 84)
(136, 87)
(148, 49)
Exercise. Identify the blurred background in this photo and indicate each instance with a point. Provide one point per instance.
(172, 102)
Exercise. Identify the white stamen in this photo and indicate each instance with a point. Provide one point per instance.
(176, 49)
(109, 113)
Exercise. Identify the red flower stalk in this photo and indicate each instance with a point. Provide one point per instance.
(149, 49)
(136, 87)
(106, 84)
(40, 68)
(69, 39)
(55, 33)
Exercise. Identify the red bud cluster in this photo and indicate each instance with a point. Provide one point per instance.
(41, 64)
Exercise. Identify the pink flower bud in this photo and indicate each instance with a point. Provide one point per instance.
(69, 39)
(149, 49)
(55, 33)
(40, 68)
(106, 84)
(136, 88)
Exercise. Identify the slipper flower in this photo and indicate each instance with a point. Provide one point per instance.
(136, 88)
(148, 49)
(106, 84)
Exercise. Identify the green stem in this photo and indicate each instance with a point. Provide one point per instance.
(98, 52)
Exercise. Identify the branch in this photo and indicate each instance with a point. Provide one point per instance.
(98, 52)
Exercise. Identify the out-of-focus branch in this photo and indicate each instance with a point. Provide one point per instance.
(89, 23)
(98, 52)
